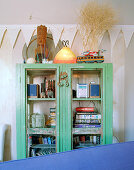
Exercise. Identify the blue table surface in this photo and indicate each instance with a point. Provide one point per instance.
(118, 156)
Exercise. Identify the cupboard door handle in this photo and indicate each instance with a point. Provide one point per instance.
(60, 84)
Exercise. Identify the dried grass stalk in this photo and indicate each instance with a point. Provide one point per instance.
(94, 20)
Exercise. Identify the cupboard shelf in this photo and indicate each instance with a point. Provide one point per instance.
(86, 131)
(43, 131)
(87, 99)
(86, 145)
(41, 99)
(44, 146)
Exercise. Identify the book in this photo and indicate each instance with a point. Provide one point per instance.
(98, 139)
(94, 91)
(85, 109)
(85, 121)
(87, 113)
(87, 125)
(33, 90)
(52, 110)
(88, 116)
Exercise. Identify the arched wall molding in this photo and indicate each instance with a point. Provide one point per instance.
(61, 31)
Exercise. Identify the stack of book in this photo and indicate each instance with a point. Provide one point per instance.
(52, 118)
(87, 117)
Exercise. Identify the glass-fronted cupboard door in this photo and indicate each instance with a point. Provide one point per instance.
(90, 105)
(38, 111)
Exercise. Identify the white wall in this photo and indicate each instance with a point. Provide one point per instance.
(55, 11)
(6, 95)
(118, 87)
(129, 92)
(8, 60)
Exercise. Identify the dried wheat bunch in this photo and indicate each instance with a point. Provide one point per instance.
(94, 20)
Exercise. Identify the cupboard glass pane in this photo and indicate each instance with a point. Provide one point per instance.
(87, 108)
(41, 112)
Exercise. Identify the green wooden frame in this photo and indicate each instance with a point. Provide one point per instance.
(21, 70)
(64, 100)
(106, 99)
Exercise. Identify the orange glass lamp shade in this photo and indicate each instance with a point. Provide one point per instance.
(65, 55)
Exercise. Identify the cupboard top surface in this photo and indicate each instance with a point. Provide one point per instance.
(83, 65)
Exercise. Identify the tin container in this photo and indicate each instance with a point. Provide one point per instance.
(82, 90)
(37, 120)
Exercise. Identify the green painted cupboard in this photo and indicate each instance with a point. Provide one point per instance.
(34, 140)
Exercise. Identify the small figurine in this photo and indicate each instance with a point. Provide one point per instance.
(50, 94)
(42, 95)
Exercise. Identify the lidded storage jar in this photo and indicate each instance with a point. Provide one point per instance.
(37, 120)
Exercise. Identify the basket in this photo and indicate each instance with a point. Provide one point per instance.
(41, 36)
